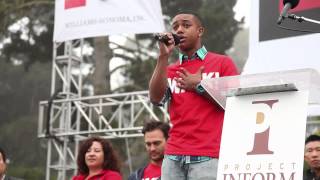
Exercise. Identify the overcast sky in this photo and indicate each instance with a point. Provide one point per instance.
(242, 8)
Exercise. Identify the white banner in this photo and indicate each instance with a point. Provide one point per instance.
(263, 137)
(76, 19)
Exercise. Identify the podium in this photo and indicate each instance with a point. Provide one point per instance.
(302, 79)
(265, 122)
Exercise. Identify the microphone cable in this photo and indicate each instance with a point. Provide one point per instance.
(300, 20)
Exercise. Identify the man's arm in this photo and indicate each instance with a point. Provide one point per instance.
(158, 81)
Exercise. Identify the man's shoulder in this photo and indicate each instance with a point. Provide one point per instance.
(308, 175)
(137, 175)
(214, 55)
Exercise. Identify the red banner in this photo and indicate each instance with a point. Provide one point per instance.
(302, 6)
(68, 4)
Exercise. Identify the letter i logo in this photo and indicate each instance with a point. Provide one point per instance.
(68, 4)
(261, 137)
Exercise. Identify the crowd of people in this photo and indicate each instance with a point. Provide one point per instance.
(97, 159)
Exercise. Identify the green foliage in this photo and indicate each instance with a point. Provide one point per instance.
(138, 72)
(20, 93)
(20, 140)
(33, 41)
(216, 16)
(220, 29)
(27, 158)
(13, 10)
(27, 52)
(34, 173)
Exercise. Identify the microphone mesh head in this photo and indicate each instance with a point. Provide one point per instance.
(294, 3)
(176, 39)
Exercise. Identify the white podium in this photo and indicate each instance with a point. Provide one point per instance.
(265, 122)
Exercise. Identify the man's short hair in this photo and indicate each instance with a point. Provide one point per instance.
(152, 125)
(312, 138)
(3, 155)
(195, 14)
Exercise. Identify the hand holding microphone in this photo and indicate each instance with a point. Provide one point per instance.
(165, 39)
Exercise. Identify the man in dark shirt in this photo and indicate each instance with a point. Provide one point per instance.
(3, 167)
(312, 158)
(155, 138)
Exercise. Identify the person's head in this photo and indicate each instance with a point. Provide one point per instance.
(96, 153)
(156, 134)
(189, 27)
(3, 165)
(312, 152)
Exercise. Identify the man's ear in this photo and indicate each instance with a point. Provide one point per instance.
(201, 31)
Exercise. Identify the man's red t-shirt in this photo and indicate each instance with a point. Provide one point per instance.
(197, 122)
(152, 172)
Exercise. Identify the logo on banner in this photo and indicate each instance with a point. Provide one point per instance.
(261, 137)
(262, 166)
(68, 4)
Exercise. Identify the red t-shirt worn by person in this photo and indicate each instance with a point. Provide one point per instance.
(197, 122)
(152, 172)
(103, 175)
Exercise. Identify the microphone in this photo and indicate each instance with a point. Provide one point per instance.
(288, 4)
(165, 39)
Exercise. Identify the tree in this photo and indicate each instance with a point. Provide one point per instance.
(20, 93)
(239, 50)
(217, 16)
(220, 29)
(32, 42)
(102, 57)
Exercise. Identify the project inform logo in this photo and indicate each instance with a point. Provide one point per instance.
(261, 136)
(264, 158)
(68, 4)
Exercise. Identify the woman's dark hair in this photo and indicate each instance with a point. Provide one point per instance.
(110, 162)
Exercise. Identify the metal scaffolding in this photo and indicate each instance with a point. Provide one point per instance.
(68, 117)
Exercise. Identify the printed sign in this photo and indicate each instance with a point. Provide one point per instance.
(263, 137)
(75, 19)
